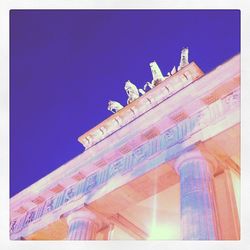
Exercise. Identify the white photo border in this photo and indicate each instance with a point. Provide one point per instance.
(6, 6)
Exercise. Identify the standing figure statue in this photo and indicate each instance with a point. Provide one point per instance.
(114, 106)
(132, 91)
(184, 58)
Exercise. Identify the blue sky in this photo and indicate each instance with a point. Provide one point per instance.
(66, 65)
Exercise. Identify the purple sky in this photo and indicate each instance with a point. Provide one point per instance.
(66, 65)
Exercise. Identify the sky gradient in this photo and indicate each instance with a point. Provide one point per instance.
(66, 65)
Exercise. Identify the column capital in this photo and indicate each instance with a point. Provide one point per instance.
(84, 215)
(193, 155)
(83, 224)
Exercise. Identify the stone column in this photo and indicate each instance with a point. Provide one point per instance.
(226, 207)
(109, 232)
(106, 232)
(81, 225)
(196, 197)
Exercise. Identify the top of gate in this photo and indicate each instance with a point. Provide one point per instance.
(135, 108)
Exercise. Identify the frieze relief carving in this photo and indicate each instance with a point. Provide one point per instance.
(231, 100)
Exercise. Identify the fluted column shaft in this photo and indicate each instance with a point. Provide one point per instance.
(197, 209)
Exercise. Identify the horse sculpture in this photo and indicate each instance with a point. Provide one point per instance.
(157, 76)
(114, 106)
(132, 91)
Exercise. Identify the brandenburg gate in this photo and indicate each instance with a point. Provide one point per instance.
(165, 166)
